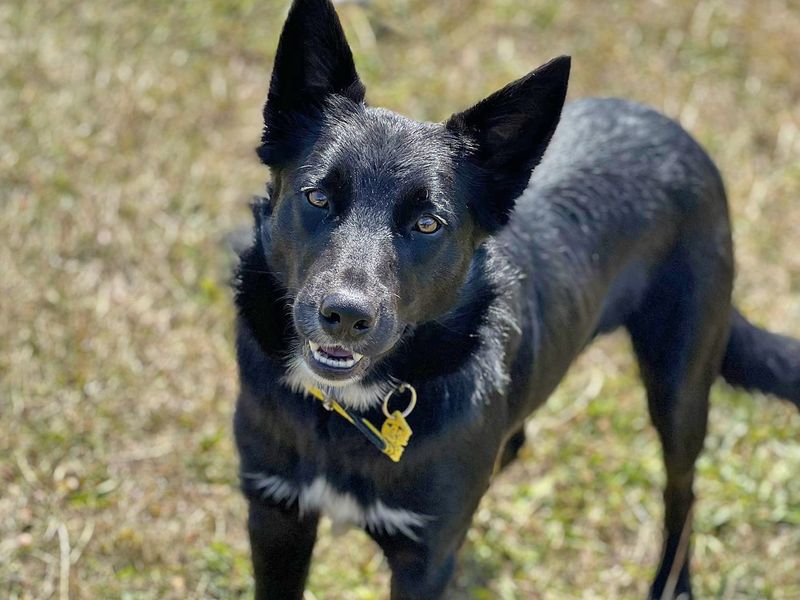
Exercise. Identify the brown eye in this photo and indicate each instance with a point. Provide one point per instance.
(317, 198)
(428, 224)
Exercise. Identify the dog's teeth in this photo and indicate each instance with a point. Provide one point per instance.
(332, 361)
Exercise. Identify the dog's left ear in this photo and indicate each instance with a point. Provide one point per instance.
(313, 64)
(509, 132)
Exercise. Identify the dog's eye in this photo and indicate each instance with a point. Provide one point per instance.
(317, 198)
(428, 224)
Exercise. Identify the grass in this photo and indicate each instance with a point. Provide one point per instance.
(128, 131)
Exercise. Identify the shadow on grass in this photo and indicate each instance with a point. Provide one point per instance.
(474, 574)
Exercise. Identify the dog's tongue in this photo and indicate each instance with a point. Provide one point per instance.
(337, 352)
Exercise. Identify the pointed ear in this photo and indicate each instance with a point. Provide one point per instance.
(313, 64)
(509, 132)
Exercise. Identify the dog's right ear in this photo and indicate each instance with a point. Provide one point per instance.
(509, 132)
(313, 65)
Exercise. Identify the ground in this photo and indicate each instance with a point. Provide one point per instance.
(127, 134)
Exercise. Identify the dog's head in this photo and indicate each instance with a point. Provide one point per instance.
(374, 218)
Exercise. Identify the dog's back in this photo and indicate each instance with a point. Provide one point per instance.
(620, 189)
(625, 223)
(622, 199)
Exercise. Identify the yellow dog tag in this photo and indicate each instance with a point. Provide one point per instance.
(395, 429)
(396, 432)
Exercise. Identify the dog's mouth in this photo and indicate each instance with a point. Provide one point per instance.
(334, 363)
(334, 357)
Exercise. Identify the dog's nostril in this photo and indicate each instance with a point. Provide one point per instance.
(332, 317)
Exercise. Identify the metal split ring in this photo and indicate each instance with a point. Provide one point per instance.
(403, 387)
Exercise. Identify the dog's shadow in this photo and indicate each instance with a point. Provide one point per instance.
(475, 572)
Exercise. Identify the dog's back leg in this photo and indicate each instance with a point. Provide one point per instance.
(679, 335)
(511, 449)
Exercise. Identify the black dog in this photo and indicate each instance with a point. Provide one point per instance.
(404, 259)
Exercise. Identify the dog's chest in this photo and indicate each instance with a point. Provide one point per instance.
(321, 497)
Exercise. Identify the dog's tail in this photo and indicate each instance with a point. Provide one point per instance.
(756, 359)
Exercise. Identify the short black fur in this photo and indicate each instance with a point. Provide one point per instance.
(549, 228)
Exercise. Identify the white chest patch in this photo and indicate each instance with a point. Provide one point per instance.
(342, 508)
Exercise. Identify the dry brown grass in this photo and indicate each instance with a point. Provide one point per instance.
(126, 156)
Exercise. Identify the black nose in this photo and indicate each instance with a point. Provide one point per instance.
(346, 315)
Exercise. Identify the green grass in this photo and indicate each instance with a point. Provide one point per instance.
(127, 154)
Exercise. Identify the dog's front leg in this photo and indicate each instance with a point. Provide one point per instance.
(423, 564)
(281, 542)
(420, 569)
